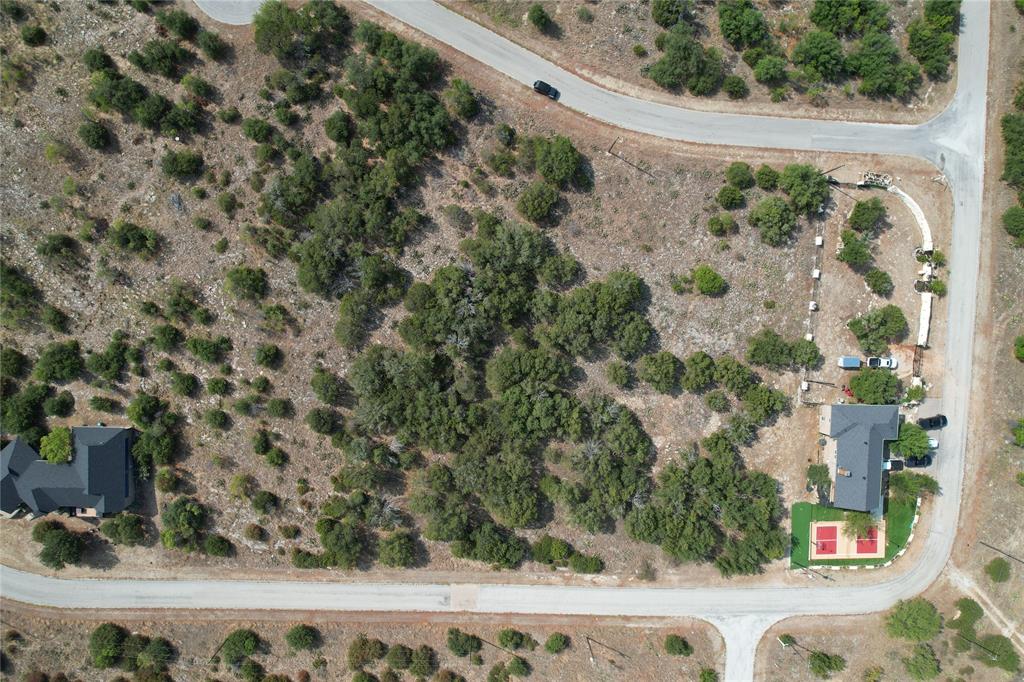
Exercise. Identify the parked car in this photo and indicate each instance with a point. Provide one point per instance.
(849, 362)
(883, 363)
(933, 444)
(893, 465)
(546, 90)
(918, 462)
(936, 422)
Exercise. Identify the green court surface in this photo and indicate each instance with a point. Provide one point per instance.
(898, 517)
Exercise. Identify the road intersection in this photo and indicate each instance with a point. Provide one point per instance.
(954, 142)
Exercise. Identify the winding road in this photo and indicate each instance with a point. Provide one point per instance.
(954, 142)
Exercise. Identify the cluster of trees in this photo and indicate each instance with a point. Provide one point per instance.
(112, 91)
(876, 329)
(497, 414)
(931, 37)
(685, 63)
(708, 508)
(776, 219)
(111, 645)
(1012, 125)
(348, 524)
(993, 650)
(768, 349)
(22, 303)
(60, 545)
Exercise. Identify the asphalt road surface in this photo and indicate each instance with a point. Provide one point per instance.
(953, 142)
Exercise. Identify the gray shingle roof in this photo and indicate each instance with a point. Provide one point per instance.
(860, 432)
(100, 475)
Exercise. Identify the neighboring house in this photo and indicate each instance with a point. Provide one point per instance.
(98, 481)
(855, 448)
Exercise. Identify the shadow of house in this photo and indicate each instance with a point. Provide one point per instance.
(98, 481)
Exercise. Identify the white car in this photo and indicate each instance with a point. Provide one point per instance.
(883, 363)
(933, 444)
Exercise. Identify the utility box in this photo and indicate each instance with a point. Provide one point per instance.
(849, 362)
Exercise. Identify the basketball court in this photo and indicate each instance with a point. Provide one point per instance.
(829, 542)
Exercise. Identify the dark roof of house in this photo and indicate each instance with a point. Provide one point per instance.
(99, 475)
(860, 432)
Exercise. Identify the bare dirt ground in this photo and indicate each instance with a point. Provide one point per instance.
(864, 643)
(994, 501)
(622, 649)
(652, 221)
(602, 52)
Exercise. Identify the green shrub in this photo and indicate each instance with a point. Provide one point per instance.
(1013, 223)
(182, 165)
(739, 175)
(303, 637)
(876, 387)
(125, 529)
(363, 651)
(94, 135)
(338, 127)
(246, 283)
(660, 370)
(824, 664)
(216, 418)
(55, 447)
(879, 282)
(462, 100)
(877, 328)
(398, 550)
(105, 645)
(677, 646)
(556, 643)
(97, 59)
(163, 57)
(257, 130)
(178, 23)
(867, 215)
(280, 408)
(59, 361)
(539, 17)
(708, 282)
(197, 86)
(735, 87)
(774, 219)
(212, 45)
(730, 198)
(998, 570)
(211, 350)
(60, 405)
(33, 35)
(133, 239)
(822, 54)
(916, 619)
(269, 355)
(668, 13)
(537, 201)
(463, 644)
(166, 480)
(13, 363)
(184, 383)
(770, 69)
(239, 645)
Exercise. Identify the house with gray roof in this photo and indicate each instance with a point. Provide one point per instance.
(98, 481)
(856, 438)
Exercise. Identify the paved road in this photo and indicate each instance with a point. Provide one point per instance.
(953, 141)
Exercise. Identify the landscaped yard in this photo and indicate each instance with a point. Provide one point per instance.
(899, 516)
